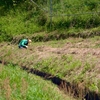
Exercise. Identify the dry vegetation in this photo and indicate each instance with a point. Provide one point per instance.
(82, 57)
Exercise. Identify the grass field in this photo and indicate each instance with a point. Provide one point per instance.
(65, 43)
(16, 84)
(75, 60)
(70, 18)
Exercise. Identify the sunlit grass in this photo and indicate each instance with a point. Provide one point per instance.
(16, 84)
(63, 65)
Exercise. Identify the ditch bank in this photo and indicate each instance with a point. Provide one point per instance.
(56, 35)
(73, 89)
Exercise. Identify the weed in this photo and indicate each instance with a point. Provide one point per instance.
(16, 84)
(7, 88)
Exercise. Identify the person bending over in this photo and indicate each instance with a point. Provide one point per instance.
(24, 43)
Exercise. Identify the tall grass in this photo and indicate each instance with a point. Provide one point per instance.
(29, 18)
(16, 84)
(75, 14)
(15, 23)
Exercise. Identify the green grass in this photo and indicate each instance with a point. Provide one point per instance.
(58, 66)
(66, 66)
(15, 24)
(30, 20)
(16, 84)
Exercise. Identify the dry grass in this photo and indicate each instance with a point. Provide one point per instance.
(7, 88)
(24, 87)
(87, 51)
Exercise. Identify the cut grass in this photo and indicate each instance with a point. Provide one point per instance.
(54, 57)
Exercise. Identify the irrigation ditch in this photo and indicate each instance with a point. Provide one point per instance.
(71, 89)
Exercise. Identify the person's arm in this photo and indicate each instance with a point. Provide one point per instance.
(24, 44)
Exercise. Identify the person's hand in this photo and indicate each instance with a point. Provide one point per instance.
(26, 46)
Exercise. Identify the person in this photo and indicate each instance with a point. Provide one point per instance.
(24, 43)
